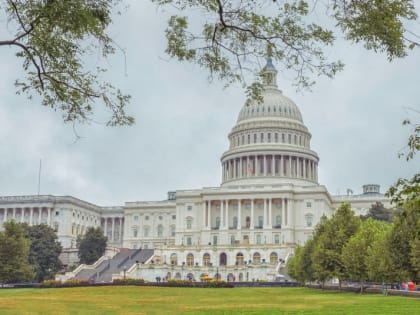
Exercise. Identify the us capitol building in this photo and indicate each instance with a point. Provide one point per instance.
(269, 201)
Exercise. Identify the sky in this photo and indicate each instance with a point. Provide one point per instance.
(182, 123)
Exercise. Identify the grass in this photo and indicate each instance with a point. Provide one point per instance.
(154, 300)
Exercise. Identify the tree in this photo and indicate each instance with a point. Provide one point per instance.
(91, 246)
(327, 259)
(235, 34)
(354, 254)
(403, 241)
(44, 251)
(54, 39)
(378, 212)
(14, 250)
(300, 266)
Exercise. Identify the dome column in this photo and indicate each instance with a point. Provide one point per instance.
(252, 214)
(281, 168)
(239, 214)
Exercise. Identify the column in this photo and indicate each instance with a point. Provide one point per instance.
(49, 216)
(283, 212)
(273, 165)
(265, 164)
(222, 222)
(122, 229)
(247, 166)
(4, 215)
(204, 213)
(209, 214)
(21, 215)
(316, 171)
(106, 227)
(281, 168)
(234, 168)
(239, 214)
(265, 222)
(227, 214)
(270, 213)
(297, 167)
(290, 212)
(304, 168)
(31, 216)
(241, 162)
(252, 214)
(14, 214)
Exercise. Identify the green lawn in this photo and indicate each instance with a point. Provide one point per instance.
(154, 300)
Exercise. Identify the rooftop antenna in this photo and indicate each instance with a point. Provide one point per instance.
(39, 176)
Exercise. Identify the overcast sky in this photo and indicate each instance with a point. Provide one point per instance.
(182, 123)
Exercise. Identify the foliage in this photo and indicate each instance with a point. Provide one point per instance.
(356, 251)
(91, 245)
(54, 40)
(44, 251)
(191, 284)
(233, 35)
(330, 241)
(378, 212)
(128, 281)
(14, 251)
(403, 241)
(300, 266)
(67, 284)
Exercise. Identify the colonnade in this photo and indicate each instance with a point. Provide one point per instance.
(113, 228)
(223, 208)
(270, 165)
(29, 215)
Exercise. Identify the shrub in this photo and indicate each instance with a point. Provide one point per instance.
(127, 281)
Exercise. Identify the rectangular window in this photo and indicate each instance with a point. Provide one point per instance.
(269, 137)
(214, 239)
(249, 139)
(173, 216)
(243, 139)
(290, 139)
(255, 138)
(262, 137)
(276, 137)
(189, 241)
(308, 205)
(189, 208)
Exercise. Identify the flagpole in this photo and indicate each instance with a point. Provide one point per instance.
(39, 176)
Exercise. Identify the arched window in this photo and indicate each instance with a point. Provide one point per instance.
(256, 259)
(206, 259)
(309, 219)
(273, 258)
(174, 259)
(190, 260)
(189, 223)
(239, 259)
(160, 230)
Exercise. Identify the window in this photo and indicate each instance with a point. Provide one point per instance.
(146, 217)
(278, 220)
(308, 205)
(135, 232)
(174, 259)
(172, 230)
(276, 239)
(217, 222)
(232, 240)
(269, 137)
(189, 240)
(57, 213)
(189, 208)
(235, 222)
(136, 217)
(160, 230)
(258, 240)
(239, 259)
(262, 137)
(255, 138)
(206, 259)
(290, 139)
(278, 205)
(160, 217)
(214, 239)
(146, 231)
(308, 219)
(249, 139)
(173, 216)
(273, 258)
(190, 260)
(276, 137)
(256, 259)
(189, 223)
(295, 139)
(283, 139)
(260, 221)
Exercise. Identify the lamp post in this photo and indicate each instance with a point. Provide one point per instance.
(124, 269)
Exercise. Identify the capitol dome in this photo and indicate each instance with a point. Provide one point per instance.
(269, 144)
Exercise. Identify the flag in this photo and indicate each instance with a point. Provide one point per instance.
(250, 169)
